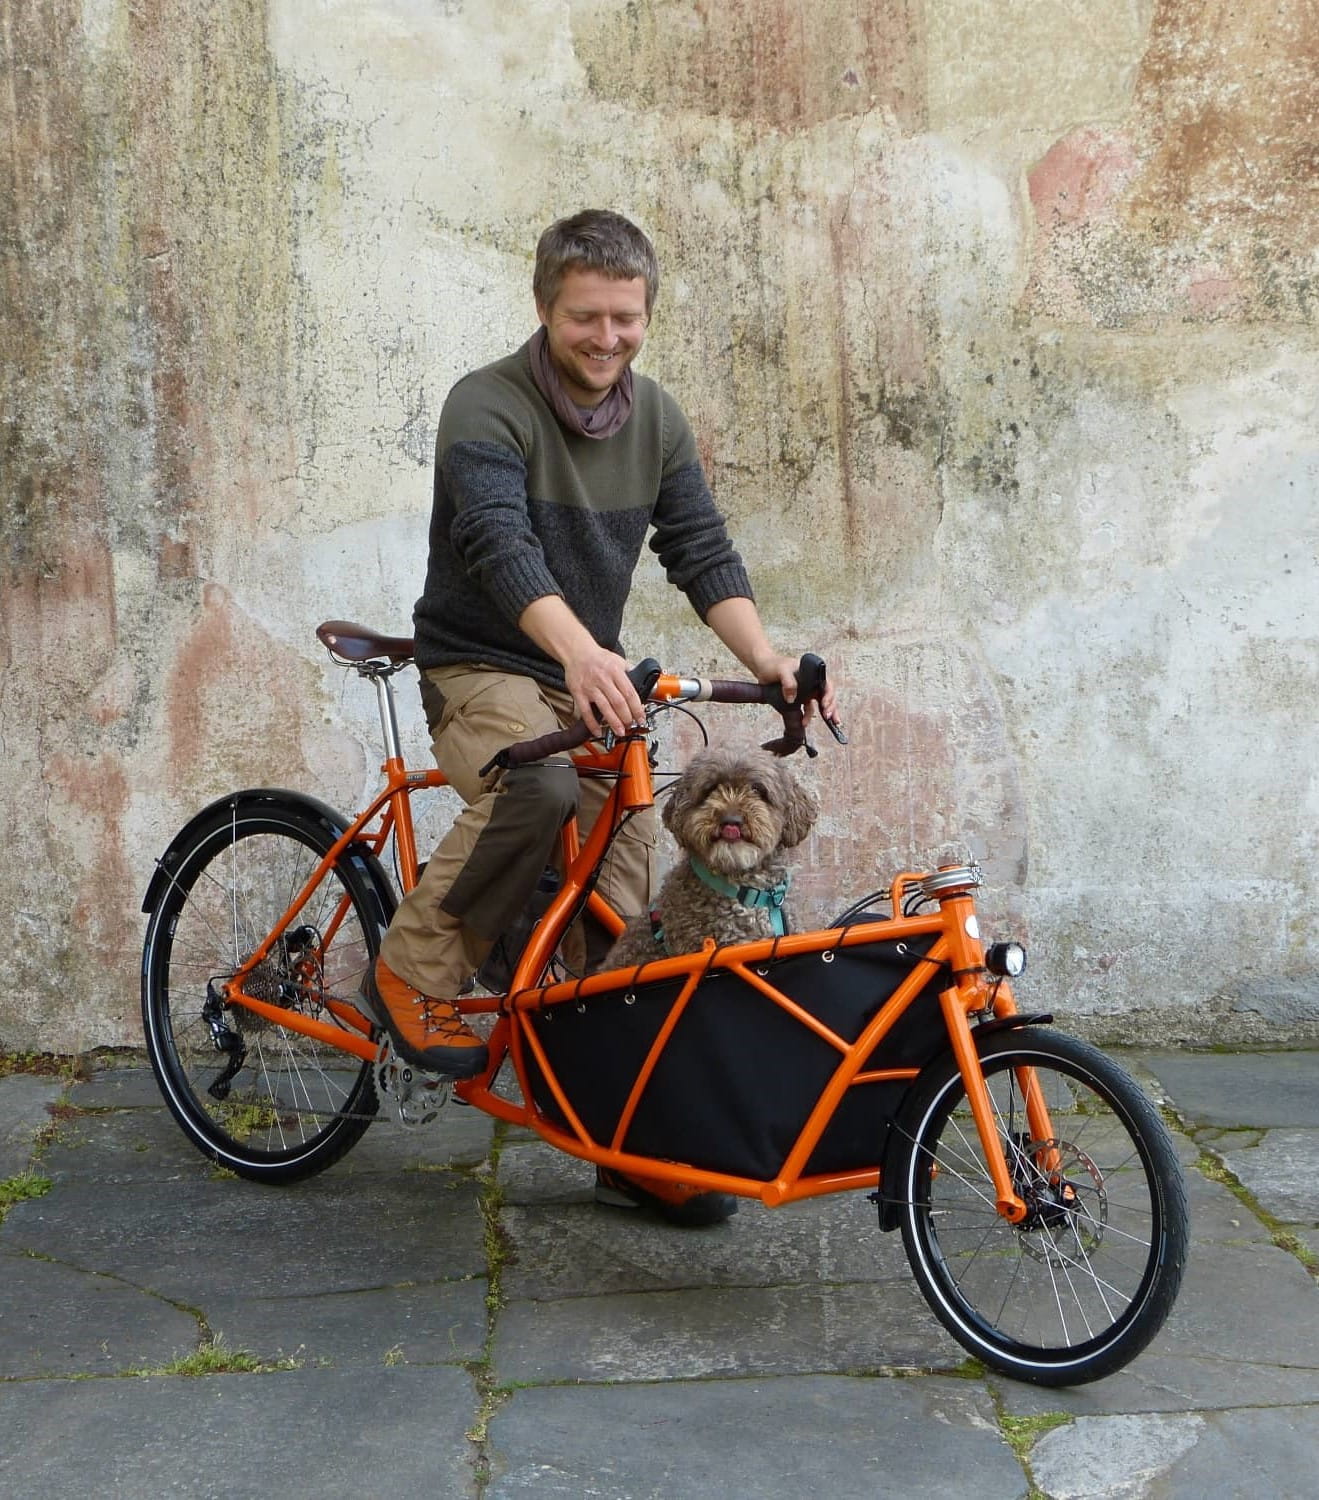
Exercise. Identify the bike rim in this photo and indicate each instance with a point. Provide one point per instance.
(290, 1091)
(1066, 1284)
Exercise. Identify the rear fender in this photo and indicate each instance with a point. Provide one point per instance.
(255, 801)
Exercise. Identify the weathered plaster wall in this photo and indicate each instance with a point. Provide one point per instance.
(995, 320)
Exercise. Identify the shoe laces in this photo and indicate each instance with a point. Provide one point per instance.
(440, 1016)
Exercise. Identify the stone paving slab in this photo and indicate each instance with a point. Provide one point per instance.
(1237, 1455)
(24, 1110)
(1282, 1173)
(320, 1236)
(775, 1330)
(741, 1360)
(769, 1439)
(849, 1439)
(123, 1145)
(1244, 1330)
(327, 1433)
(583, 1250)
(117, 1088)
(1217, 1214)
(61, 1321)
(1241, 1089)
(444, 1323)
(460, 1137)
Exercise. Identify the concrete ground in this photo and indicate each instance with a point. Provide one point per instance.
(446, 1308)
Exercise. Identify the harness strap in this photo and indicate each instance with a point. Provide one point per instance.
(769, 898)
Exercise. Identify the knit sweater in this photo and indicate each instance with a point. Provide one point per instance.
(524, 508)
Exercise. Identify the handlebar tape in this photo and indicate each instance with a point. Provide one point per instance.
(643, 677)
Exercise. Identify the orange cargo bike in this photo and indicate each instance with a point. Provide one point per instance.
(1039, 1198)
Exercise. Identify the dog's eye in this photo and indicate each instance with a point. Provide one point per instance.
(761, 791)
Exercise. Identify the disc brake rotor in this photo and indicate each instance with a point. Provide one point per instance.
(1066, 1201)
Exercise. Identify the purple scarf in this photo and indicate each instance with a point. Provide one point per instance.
(593, 422)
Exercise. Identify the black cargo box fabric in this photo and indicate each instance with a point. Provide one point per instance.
(740, 1076)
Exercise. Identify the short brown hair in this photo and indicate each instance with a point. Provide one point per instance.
(593, 240)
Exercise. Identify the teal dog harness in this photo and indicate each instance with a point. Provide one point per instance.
(767, 898)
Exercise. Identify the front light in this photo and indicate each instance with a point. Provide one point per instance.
(1008, 959)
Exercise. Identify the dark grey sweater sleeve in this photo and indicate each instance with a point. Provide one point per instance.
(690, 537)
(491, 530)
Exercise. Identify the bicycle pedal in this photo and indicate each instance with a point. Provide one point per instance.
(415, 1096)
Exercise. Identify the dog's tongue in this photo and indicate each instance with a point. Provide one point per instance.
(730, 832)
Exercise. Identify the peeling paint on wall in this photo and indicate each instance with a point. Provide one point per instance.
(1203, 204)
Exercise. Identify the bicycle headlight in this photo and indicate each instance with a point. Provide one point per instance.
(1008, 959)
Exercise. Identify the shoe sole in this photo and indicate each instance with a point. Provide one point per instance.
(700, 1212)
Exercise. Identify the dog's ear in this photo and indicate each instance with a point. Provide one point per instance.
(677, 802)
(689, 789)
(801, 807)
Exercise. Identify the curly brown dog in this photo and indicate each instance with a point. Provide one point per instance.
(733, 814)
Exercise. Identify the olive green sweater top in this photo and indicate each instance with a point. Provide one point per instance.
(524, 508)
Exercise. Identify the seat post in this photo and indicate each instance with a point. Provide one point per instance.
(380, 675)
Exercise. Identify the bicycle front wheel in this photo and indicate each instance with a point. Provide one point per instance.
(1085, 1281)
(268, 1102)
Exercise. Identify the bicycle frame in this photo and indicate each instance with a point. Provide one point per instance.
(972, 991)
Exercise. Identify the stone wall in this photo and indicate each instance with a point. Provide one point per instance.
(996, 322)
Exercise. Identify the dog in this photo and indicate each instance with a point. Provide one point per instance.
(733, 815)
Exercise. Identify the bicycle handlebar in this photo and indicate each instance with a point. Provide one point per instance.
(645, 677)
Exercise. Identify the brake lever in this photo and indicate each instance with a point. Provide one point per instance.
(810, 689)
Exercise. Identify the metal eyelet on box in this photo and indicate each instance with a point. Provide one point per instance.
(827, 956)
(581, 1007)
(763, 970)
(903, 950)
(629, 998)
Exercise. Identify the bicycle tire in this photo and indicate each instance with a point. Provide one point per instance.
(294, 1106)
(1087, 1280)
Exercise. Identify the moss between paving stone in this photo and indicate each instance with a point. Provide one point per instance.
(497, 1254)
(1209, 1165)
(1022, 1433)
(18, 1189)
(215, 1358)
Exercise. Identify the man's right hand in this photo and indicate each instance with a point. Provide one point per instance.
(596, 677)
(600, 688)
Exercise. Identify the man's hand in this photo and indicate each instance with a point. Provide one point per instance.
(596, 677)
(736, 622)
(598, 682)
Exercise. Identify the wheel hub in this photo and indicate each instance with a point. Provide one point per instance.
(1066, 1203)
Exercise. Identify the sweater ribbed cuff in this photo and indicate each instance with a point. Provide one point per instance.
(726, 581)
(519, 581)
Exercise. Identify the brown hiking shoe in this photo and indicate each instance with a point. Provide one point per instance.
(426, 1032)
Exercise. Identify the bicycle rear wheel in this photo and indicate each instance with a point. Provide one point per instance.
(1083, 1284)
(265, 1101)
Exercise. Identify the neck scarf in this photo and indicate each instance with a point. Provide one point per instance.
(587, 421)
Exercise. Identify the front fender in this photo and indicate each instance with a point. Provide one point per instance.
(257, 800)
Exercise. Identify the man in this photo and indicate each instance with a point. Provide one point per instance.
(552, 464)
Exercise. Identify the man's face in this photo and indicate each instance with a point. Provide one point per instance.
(595, 327)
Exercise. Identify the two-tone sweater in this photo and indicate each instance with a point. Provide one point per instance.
(524, 508)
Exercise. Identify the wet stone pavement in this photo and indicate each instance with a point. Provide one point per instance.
(446, 1308)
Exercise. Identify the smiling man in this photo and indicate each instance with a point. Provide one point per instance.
(553, 465)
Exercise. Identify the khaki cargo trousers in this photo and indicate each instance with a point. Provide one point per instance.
(486, 867)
